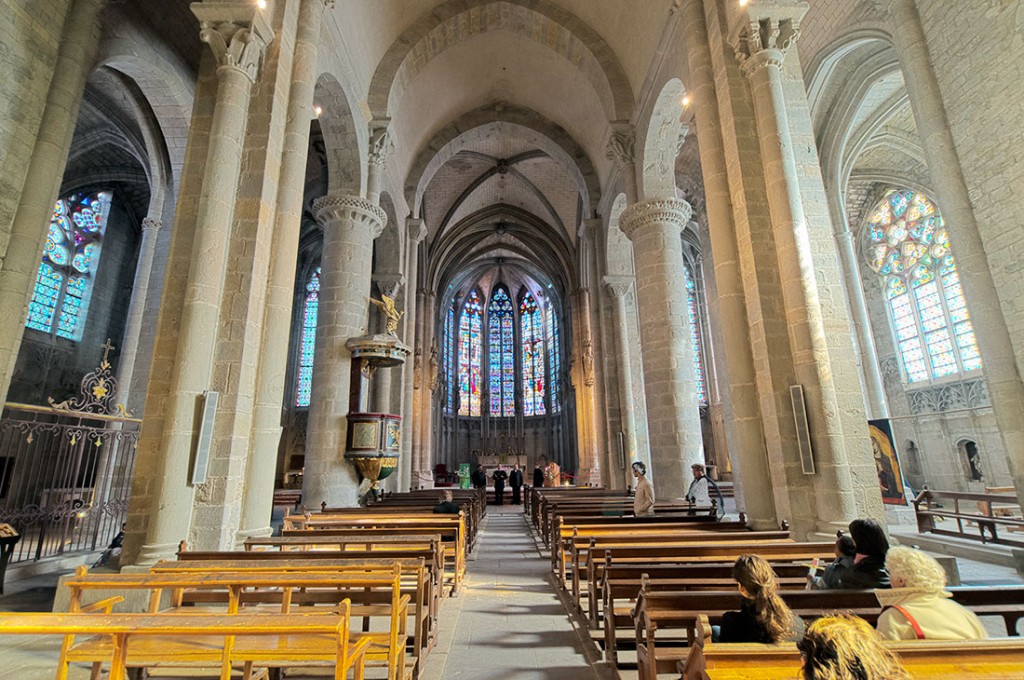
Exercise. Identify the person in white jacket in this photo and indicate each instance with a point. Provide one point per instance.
(917, 607)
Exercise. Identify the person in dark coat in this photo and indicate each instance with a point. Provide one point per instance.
(515, 480)
(479, 478)
(447, 506)
(763, 616)
(499, 477)
(846, 551)
(538, 476)
(868, 570)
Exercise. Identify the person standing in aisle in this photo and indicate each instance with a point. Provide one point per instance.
(643, 500)
(515, 480)
(499, 478)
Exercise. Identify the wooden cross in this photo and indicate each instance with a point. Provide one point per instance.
(106, 349)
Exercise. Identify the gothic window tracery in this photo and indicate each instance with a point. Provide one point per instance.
(60, 300)
(470, 352)
(532, 346)
(307, 340)
(446, 357)
(554, 358)
(909, 248)
(501, 353)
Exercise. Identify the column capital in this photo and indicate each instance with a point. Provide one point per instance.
(621, 145)
(763, 32)
(237, 33)
(389, 283)
(343, 208)
(589, 226)
(618, 285)
(152, 224)
(417, 230)
(673, 211)
(380, 142)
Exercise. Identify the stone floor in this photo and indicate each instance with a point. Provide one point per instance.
(508, 623)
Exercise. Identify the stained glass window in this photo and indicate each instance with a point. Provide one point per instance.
(307, 340)
(531, 328)
(70, 256)
(698, 354)
(908, 247)
(501, 355)
(446, 357)
(554, 367)
(470, 324)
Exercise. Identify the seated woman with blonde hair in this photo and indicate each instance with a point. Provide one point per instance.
(917, 607)
(846, 647)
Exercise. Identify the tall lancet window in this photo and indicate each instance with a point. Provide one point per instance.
(446, 358)
(698, 353)
(554, 358)
(531, 327)
(501, 337)
(908, 247)
(469, 356)
(307, 340)
(60, 300)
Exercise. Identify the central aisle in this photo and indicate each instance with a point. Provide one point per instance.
(508, 624)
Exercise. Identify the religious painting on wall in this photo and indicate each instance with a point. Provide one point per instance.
(890, 479)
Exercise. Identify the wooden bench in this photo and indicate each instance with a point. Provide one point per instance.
(451, 529)
(675, 613)
(621, 508)
(419, 583)
(377, 593)
(992, 659)
(220, 641)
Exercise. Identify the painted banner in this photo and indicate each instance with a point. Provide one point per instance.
(890, 479)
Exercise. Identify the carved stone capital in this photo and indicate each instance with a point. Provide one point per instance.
(380, 142)
(343, 209)
(621, 146)
(661, 211)
(152, 223)
(237, 34)
(766, 25)
(389, 284)
(417, 230)
(618, 286)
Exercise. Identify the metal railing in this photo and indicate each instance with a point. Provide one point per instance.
(66, 470)
(970, 515)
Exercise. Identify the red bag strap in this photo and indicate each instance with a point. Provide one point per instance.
(910, 619)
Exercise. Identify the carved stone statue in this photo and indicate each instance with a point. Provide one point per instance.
(435, 378)
(387, 307)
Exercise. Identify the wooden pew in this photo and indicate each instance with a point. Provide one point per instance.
(377, 592)
(220, 641)
(451, 528)
(675, 612)
(615, 589)
(991, 659)
(620, 508)
(418, 582)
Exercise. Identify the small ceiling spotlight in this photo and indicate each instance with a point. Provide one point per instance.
(686, 101)
(744, 3)
(262, 4)
(317, 110)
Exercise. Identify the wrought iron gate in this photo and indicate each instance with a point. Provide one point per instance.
(66, 470)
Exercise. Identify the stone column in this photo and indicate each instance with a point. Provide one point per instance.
(820, 356)
(137, 306)
(673, 414)
(380, 147)
(24, 247)
(994, 343)
(350, 225)
(423, 451)
(417, 231)
(388, 284)
(619, 287)
(237, 34)
(744, 434)
(874, 397)
(261, 465)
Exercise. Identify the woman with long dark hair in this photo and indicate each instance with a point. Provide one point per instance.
(764, 617)
(868, 569)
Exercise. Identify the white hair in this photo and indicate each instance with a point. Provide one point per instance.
(914, 569)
